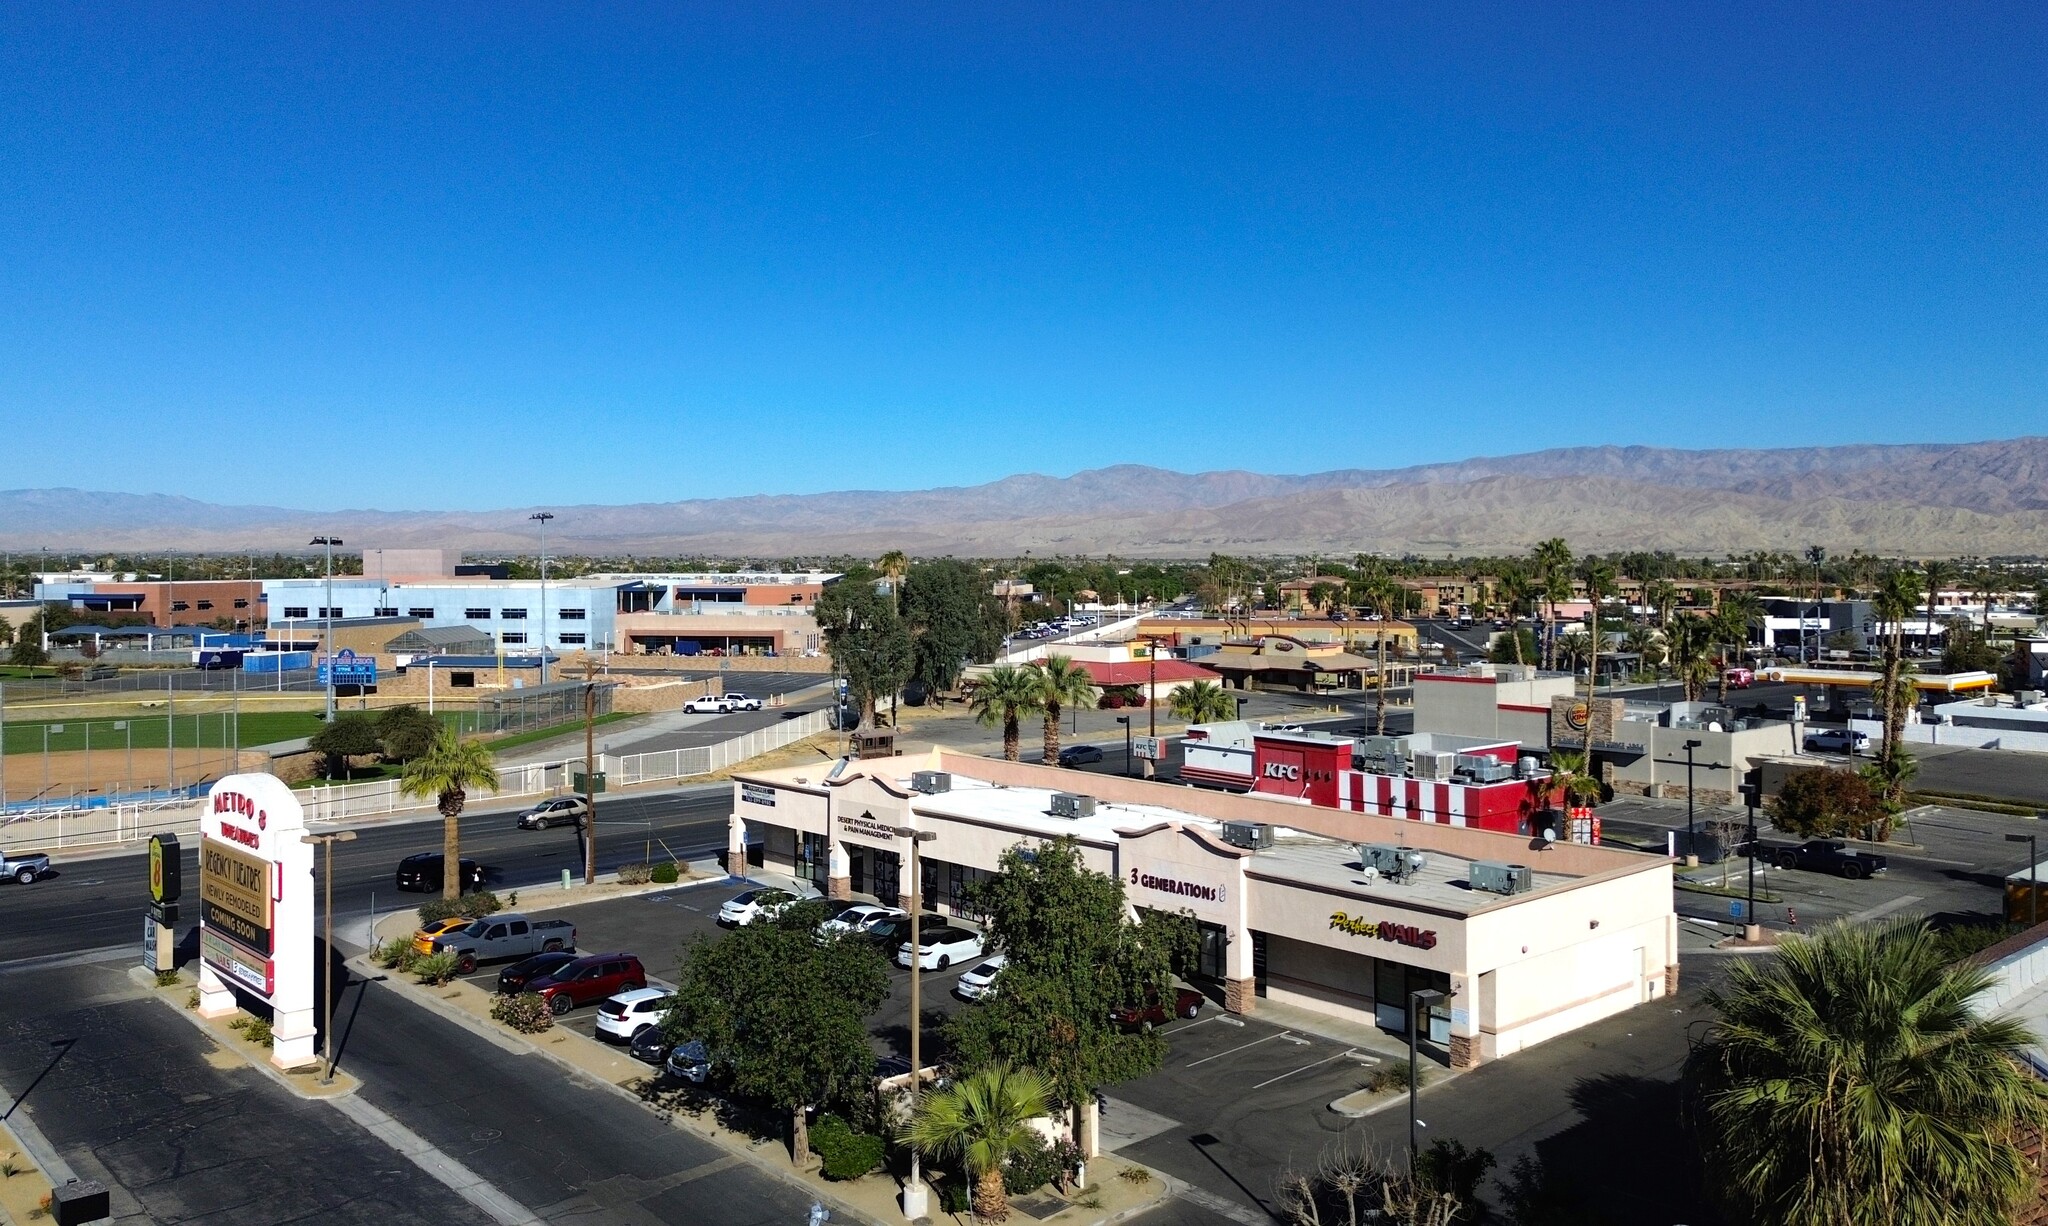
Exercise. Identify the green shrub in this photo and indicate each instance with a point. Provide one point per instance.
(478, 904)
(956, 1194)
(665, 873)
(846, 1154)
(1030, 1166)
(434, 969)
(391, 954)
(527, 1013)
(635, 874)
(1394, 1076)
(165, 979)
(254, 1029)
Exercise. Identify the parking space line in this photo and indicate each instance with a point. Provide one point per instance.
(1305, 1068)
(1219, 1055)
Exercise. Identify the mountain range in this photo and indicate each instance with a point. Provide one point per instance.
(1930, 499)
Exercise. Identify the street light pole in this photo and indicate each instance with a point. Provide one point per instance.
(589, 782)
(1125, 720)
(1419, 1003)
(543, 517)
(327, 619)
(2033, 882)
(1692, 853)
(327, 841)
(915, 1195)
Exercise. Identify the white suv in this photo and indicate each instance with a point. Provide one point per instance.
(736, 701)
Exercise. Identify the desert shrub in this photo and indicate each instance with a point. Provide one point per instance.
(635, 874)
(665, 873)
(165, 979)
(478, 903)
(1394, 1076)
(527, 1012)
(846, 1154)
(254, 1029)
(435, 969)
(391, 954)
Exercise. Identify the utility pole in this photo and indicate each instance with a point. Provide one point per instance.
(327, 842)
(327, 619)
(589, 781)
(543, 517)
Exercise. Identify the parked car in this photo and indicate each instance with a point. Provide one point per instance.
(764, 903)
(689, 1062)
(421, 874)
(976, 983)
(650, 1045)
(561, 811)
(1820, 856)
(736, 701)
(504, 935)
(707, 705)
(24, 866)
(1187, 1003)
(589, 979)
(1739, 678)
(894, 930)
(857, 917)
(514, 978)
(623, 1017)
(1080, 755)
(940, 947)
(1839, 740)
(424, 937)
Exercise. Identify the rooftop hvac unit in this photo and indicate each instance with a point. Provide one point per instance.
(1491, 770)
(1500, 878)
(1249, 835)
(931, 783)
(1526, 766)
(1067, 804)
(1380, 746)
(1393, 863)
(1435, 765)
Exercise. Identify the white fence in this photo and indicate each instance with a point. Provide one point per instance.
(1038, 651)
(58, 828)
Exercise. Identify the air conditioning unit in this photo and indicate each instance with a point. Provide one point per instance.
(1393, 863)
(1492, 770)
(1527, 766)
(1067, 804)
(1250, 835)
(931, 783)
(1435, 765)
(1500, 878)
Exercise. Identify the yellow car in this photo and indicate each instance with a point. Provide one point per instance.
(423, 940)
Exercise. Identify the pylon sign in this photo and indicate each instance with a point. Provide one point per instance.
(256, 909)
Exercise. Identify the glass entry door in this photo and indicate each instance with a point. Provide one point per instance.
(888, 870)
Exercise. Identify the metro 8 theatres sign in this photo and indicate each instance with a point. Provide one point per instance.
(256, 908)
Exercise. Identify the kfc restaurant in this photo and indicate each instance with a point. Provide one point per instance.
(1338, 910)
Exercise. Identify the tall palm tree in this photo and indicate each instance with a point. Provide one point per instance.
(1686, 640)
(1892, 602)
(1739, 611)
(1815, 556)
(1663, 595)
(895, 564)
(1553, 560)
(1514, 592)
(1852, 1078)
(981, 1120)
(1002, 698)
(1986, 586)
(1061, 684)
(1936, 575)
(1646, 644)
(447, 772)
(1202, 702)
(1383, 594)
(1598, 577)
(1576, 775)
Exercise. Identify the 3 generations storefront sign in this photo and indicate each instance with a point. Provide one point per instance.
(757, 794)
(1177, 887)
(1385, 930)
(240, 965)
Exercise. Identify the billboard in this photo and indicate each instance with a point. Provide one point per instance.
(256, 909)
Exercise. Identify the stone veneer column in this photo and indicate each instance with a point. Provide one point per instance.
(1464, 1051)
(1671, 980)
(1240, 995)
(838, 871)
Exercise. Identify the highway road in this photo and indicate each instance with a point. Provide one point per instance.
(91, 904)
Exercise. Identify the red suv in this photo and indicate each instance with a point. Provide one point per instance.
(1186, 1003)
(589, 979)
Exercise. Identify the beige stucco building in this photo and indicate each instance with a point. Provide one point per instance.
(1287, 908)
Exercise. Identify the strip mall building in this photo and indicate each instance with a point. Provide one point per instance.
(1300, 904)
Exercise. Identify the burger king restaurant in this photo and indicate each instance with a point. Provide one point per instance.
(1341, 912)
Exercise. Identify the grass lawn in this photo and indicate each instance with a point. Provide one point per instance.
(516, 739)
(209, 730)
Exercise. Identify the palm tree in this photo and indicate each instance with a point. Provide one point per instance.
(1646, 643)
(447, 772)
(1203, 702)
(1892, 603)
(1553, 559)
(1382, 593)
(1061, 683)
(1815, 556)
(1936, 574)
(981, 1120)
(1852, 1078)
(1003, 697)
(1732, 621)
(1576, 775)
(1687, 642)
(1663, 596)
(895, 564)
(1514, 593)
(1599, 581)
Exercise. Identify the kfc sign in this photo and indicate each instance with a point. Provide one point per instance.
(1283, 770)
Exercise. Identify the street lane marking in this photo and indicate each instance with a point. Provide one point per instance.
(1304, 1068)
(1219, 1055)
(1885, 908)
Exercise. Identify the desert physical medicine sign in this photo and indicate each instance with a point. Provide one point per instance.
(256, 899)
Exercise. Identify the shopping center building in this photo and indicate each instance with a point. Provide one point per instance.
(1345, 913)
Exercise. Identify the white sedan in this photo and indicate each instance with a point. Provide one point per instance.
(976, 983)
(939, 948)
(764, 903)
(707, 705)
(857, 918)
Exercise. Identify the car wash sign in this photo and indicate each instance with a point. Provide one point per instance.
(256, 908)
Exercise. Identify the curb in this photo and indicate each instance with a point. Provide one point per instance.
(141, 978)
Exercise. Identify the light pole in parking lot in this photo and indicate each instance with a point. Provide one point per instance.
(327, 619)
(1420, 1005)
(1125, 720)
(327, 841)
(2033, 883)
(916, 1197)
(1692, 851)
(543, 517)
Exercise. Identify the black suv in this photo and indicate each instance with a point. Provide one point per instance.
(422, 873)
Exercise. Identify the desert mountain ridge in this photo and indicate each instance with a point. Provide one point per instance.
(1927, 499)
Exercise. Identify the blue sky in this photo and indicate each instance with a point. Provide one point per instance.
(440, 256)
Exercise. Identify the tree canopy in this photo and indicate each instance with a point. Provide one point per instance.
(782, 1013)
(1822, 802)
(869, 643)
(352, 734)
(953, 617)
(406, 732)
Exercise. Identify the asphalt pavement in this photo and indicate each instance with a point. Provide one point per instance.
(91, 904)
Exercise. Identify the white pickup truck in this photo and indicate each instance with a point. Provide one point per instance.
(24, 866)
